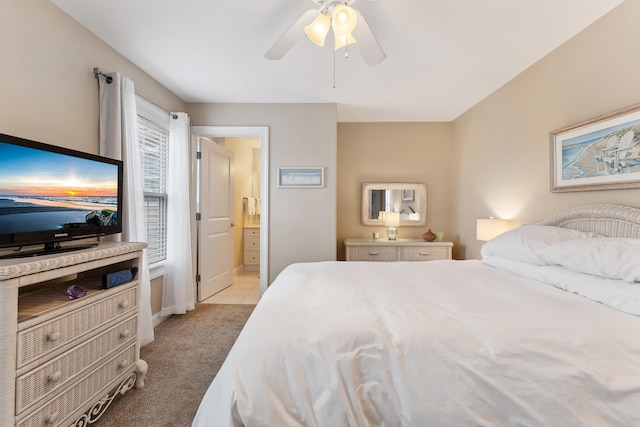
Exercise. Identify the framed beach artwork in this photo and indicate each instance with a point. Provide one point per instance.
(301, 177)
(598, 154)
(407, 196)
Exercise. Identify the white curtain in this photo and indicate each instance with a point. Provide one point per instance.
(178, 289)
(119, 140)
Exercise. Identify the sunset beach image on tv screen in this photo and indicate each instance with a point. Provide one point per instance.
(42, 190)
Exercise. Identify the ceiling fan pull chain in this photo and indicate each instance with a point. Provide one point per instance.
(334, 69)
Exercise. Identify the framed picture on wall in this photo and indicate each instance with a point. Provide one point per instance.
(408, 196)
(301, 177)
(598, 154)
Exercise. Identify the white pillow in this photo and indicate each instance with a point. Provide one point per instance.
(525, 242)
(615, 293)
(523, 269)
(613, 258)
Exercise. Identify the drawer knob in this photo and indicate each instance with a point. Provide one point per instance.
(51, 419)
(373, 253)
(55, 377)
(54, 336)
(124, 304)
(123, 364)
(125, 334)
(424, 253)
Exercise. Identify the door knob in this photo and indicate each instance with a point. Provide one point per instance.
(233, 224)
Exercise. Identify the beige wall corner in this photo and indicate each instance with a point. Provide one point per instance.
(501, 152)
(393, 152)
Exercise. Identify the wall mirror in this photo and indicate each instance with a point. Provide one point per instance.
(409, 199)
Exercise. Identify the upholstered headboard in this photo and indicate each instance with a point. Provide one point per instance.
(606, 219)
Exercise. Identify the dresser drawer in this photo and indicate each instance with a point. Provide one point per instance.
(396, 250)
(427, 253)
(79, 394)
(41, 339)
(58, 372)
(373, 253)
(251, 257)
(252, 232)
(251, 243)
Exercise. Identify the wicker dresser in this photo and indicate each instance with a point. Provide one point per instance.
(63, 360)
(396, 250)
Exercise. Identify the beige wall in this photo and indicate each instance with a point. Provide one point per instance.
(501, 154)
(49, 92)
(302, 222)
(156, 295)
(393, 152)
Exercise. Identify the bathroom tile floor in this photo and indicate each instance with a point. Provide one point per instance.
(244, 290)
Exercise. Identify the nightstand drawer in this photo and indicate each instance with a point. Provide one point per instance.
(373, 253)
(428, 253)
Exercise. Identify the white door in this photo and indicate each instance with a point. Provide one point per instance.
(215, 251)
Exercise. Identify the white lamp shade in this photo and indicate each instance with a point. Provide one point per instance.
(344, 20)
(318, 29)
(342, 41)
(392, 219)
(487, 229)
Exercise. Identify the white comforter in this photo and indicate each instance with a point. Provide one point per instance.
(441, 343)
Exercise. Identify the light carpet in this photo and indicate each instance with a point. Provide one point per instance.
(187, 353)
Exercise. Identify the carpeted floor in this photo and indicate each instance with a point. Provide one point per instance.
(187, 352)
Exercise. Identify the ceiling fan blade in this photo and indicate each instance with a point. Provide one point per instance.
(292, 35)
(367, 44)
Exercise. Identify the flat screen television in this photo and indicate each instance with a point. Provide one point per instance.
(50, 194)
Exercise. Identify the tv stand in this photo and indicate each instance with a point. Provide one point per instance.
(62, 360)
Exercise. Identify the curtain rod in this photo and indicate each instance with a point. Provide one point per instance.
(172, 114)
(97, 73)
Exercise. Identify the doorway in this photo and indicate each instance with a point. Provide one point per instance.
(261, 133)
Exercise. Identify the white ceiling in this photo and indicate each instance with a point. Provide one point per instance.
(443, 56)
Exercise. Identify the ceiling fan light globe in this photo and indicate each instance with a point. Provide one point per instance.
(342, 41)
(343, 19)
(318, 29)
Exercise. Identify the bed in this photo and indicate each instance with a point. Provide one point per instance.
(543, 331)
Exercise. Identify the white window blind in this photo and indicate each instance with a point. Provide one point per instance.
(153, 134)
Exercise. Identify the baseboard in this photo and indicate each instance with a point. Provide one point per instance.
(156, 319)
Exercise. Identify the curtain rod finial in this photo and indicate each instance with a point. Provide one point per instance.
(97, 73)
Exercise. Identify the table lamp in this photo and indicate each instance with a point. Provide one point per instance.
(487, 229)
(392, 220)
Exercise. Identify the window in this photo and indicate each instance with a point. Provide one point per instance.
(153, 135)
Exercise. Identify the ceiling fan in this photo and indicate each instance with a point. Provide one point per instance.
(348, 24)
